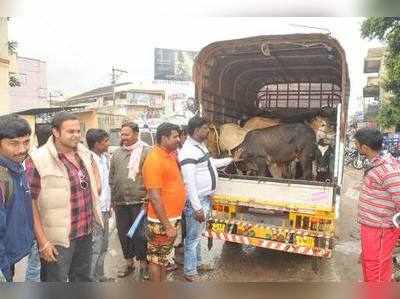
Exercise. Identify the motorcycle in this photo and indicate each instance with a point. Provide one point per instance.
(396, 253)
(353, 157)
(396, 263)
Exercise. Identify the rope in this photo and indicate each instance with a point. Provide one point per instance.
(265, 49)
(212, 127)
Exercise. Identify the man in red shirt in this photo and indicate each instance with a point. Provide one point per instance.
(379, 201)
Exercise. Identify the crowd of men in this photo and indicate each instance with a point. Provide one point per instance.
(56, 201)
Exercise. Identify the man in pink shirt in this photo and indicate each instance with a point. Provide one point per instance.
(379, 201)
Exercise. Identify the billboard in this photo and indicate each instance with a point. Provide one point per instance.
(175, 65)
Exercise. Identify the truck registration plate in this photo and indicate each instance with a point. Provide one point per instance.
(305, 241)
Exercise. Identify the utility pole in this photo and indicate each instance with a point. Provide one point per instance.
(116, 73)
(55, 94)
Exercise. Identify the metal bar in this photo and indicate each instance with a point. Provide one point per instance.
(321, 97)
(277, 95)
(330, 104)
(298, 94)
(287, 95)
(226, 114)
(277, 180)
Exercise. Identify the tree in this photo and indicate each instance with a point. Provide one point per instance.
(12, 47)
(387, 30)
(13, 81)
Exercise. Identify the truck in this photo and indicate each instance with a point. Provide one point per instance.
(275, 75)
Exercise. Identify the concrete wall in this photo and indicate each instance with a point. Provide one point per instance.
(88, 120)
(32, 74)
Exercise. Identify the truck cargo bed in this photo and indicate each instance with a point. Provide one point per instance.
(276, 194)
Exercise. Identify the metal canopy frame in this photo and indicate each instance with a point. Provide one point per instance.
(230, 75)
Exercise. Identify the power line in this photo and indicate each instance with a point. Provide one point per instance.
(116, 73)
(312, 27)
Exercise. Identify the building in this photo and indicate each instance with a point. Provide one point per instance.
(95, 98)
(32, 90)
(7, 66)
(147, 103)
(135, 102)
(373, 94)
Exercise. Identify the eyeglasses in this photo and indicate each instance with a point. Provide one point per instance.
(82, 180)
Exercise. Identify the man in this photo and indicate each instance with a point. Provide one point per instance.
(16, 220)
(98, 142)
(128, 194)
(182, 136)
(166, 192)
(378, 203)
(179, 246)
(200, 175)
(65, 186)
(33, 268)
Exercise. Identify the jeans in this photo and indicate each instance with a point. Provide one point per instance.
(73, 263)
(100, 247)
(33, 268)
(194, 230)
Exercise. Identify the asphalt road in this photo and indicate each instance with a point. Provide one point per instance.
(240, 263)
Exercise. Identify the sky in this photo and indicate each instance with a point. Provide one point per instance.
(80, 49)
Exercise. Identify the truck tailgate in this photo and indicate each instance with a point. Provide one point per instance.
(275, 195)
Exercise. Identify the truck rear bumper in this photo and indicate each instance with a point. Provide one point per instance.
(291, 248)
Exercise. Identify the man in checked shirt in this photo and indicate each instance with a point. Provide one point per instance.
(379, 201)
(65, 189)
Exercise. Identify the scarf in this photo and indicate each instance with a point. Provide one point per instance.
(134, 160)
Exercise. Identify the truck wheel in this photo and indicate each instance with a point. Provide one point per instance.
(316, 264)
(232, 245)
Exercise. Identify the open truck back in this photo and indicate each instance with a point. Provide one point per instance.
(270, 76)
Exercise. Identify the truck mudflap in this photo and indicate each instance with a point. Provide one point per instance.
(269, 244)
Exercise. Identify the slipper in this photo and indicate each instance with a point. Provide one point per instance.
(172, 267)
(126, 271)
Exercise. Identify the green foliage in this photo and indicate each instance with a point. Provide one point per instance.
(389, 115)
(13, 81)
(12, 47)
(387, 29)
(378, 27)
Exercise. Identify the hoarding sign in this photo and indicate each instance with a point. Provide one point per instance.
(173, 65)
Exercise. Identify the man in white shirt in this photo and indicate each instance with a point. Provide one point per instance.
(98, 142)
(200, 175)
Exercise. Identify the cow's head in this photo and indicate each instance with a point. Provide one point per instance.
(322, 127)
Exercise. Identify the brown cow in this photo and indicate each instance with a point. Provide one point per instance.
(276, 147)
(259, 122)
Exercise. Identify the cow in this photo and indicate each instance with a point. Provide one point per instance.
(277, 148)
(291, 154)
(259, 122)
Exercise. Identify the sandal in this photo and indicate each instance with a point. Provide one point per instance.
(126, 271)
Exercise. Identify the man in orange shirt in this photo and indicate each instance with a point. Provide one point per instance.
(166, 193)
